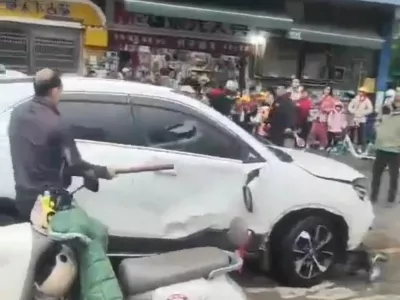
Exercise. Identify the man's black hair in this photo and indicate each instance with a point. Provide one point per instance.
(43, 85)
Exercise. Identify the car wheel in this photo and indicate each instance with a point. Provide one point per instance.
(306, 252)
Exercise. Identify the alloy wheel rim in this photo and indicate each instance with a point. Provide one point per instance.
(313, 252)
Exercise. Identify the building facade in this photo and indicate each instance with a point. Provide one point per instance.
(321, 42)
(57, 34)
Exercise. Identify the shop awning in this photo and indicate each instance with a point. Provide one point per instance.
(336, 36)
(251, 19)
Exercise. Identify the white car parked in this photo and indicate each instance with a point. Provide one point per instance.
(305, 210)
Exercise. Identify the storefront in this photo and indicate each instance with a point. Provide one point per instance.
(214, 49)
(320, 42)
(55, 34)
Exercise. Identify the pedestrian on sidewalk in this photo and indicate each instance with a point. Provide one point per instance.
(304, 106)
(319, 129)
(387, 150)
(282, 117)
(336, 124)
(360, 107)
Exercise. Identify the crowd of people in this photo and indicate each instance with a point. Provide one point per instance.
(282, 112)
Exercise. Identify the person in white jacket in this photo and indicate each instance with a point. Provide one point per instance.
(359, 108)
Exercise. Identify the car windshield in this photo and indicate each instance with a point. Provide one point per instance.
(278, 152)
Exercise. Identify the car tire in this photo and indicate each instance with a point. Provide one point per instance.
(6, 220)
(305, 253)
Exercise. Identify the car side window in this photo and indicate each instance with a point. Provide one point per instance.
(175, 130)
(98, 121)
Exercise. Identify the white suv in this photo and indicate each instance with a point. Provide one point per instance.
(294, 202)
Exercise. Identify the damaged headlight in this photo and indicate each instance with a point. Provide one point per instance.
(360, 186)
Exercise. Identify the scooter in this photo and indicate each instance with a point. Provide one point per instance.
(198, 273)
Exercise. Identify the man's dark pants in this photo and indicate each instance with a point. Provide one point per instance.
(277, 137)
(385, 159)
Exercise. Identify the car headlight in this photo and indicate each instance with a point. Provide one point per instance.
(360, 186)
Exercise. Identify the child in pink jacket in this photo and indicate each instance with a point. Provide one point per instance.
(336, 124)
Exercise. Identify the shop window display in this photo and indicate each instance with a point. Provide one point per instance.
(173, 67)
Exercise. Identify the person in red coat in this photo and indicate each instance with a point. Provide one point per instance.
(304, 106)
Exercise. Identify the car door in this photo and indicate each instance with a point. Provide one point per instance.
(102, 125)
(205, 189)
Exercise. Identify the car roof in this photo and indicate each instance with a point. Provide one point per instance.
(13, 90)
(23, 88)
(11, 74)
(103, 85)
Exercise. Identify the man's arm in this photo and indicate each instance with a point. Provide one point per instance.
(76, 166)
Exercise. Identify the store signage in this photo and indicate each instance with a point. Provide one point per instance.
(124, 41)
(39, 7)
(123, 17)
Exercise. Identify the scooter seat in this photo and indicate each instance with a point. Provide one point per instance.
(139, 275)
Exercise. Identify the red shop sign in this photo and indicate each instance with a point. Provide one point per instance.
(124, 41)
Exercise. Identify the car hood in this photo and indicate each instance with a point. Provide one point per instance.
(323, 167)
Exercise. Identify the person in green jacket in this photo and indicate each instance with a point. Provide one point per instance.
(387, 150)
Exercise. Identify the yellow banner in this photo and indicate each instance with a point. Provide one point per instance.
(96, 37)
(83, 11)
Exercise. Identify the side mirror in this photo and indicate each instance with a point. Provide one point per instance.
(92, 184)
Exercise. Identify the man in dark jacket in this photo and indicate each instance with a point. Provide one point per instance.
(40, 146)
(282, 117)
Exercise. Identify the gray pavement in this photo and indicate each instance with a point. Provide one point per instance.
(340, 287)
(385, 235)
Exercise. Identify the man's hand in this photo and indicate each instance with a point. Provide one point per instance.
(111, 173)
(288, 130)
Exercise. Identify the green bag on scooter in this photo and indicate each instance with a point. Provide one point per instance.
(96, 276)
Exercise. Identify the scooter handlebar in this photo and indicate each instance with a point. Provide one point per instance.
(236, 263)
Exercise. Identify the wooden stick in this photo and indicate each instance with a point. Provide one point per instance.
(145, 168)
